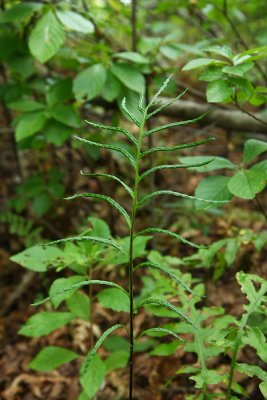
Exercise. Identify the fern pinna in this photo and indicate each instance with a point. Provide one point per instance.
(136, 163)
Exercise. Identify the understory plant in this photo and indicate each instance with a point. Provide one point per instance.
(139, 171)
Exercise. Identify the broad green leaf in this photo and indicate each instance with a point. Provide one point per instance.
(100, 228)
(92, 380)
(52, 357)
(75, 21)
(29, 124)
(178, 147)
(132, 56)
(224, 51)
(41, 204)
(263, 388)
(212, 73)
(19, 11)
(26, 105)
(213, 188)
(46, 37)
(167, 271)
(60, 284)
(56, 133)
(253, 148)
(247, 183)
(79, 305)
(107, 199)
(118, 359)
(78, 286)
(112, 87)
(201, 62)
(173, 124)
(113, 129)
(165, 349)
(159, 332)
(109, 147)
(168, 305)
(169, 233)
(100, 240)
(219, 92)
(66, 115)
(114, 299)
(92, 353)
(260, 166)
(59, 91)
(38, 258)
(129, 76)
(216, 163)
(43, 323)
(115, 178)
(239, 70)
(90, 82)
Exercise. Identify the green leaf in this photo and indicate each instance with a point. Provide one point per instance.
(115, 178)
(37, 258)
(219, 92)
(132, 56)
(92, 353)
(164, 269)
(29, 124)
(247, 183)
(256, 339)
(41, 204)
(66, 115)
(168, 103)
(112, 87)
(118, 359)
(173, 166)
(253, 148)
(78, 286)
(129, 76)
(56, 133)
(107, 199)
(224, 51)
(178, 147)
(208, 377)
(79, 305)
(153, 100)
(93, 379)
(212, 73)
(19, 11)
(113, 129)
(109, 147)
(100, 228)
(263, 388)
(100, 240)
(173, 124)
(75, 21)
(260, 166)
(114, 299)
(169, 233)
(59, 91)
(213, 188)
(215, 163)
(201, 62)
(52, 357)
(129, 113)
(165, 349)
(132, 112)
(252, 370)
(90, 82)
(46, 37)
(168, 305)
(26, 105)
(43, 323)
(239, 70)
(159, 332)
(60, 284)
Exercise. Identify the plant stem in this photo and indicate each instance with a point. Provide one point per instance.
(131, 255)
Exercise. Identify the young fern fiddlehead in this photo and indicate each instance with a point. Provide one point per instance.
(130, 217)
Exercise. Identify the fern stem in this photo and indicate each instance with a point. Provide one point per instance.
(131, 255)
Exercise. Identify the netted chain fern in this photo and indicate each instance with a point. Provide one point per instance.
(136, 164)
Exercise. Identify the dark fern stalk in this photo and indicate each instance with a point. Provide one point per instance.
(130, 217)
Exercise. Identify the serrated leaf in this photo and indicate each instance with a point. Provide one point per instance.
(60, 284)
(256, 339)
(109, 147)
(164, 269)
(114, 299)
(158, 332)
(113, 129)
(46, 37)
(173, 124)
(100, 240)
(52, 357)
(168, 103)
(78, 286)
(169, 233)
(178, 147)
(157, 94)
(252, 370)
(75, 21)
(107, 199)
(43, 323)
(129, 76)
(253, 148)
(168, 305)
(97, 345)
(90, 82)
(118, 359)
(130, 115)
(115, 178)
(79, 305)
(247, 183)
(172, 166)
(93, 379)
